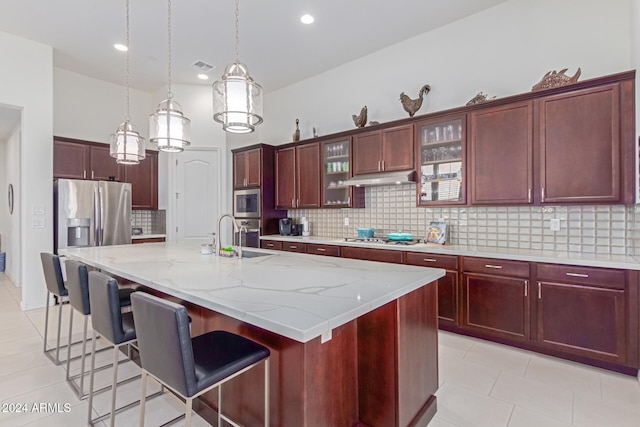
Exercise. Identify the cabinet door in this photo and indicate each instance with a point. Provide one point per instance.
(103, 166)
(308, 176)
(497, 306)
(397, 149)
(70, 160)
(239, 170)
(501, 154)
(144, 182)
(580, 146)
(583, 320)
(253, 167)
(448, 298)
(285, 178)
(367, 153)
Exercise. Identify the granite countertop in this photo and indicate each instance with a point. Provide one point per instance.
(147, 236)
(626, 262)
(299, 296)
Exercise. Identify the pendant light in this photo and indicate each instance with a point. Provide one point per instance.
(237, 99)
(126, 145)
(168, 127)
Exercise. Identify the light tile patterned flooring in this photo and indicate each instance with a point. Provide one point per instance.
(481, 383)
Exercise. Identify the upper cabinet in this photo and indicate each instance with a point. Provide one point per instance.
(441, 151)
(298, 177)
(247, 167)
(336, 169)
(79, 160)
(143, 178)
(501, 154)
(386, 150)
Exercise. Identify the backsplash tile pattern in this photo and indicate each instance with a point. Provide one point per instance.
(605, 229)
(151, 222)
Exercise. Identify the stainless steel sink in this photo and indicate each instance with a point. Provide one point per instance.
(249, 254)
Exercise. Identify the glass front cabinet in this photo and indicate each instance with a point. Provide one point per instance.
(440, 145)
(336, 167)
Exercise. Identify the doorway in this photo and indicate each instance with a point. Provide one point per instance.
(196, 196)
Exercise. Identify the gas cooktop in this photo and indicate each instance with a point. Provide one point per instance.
(381, 241)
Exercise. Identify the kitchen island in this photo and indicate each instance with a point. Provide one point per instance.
(351, 341)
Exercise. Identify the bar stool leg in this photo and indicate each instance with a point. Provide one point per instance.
(114, 386)
(59, 328)
(143, 397)
(187, 415)
(266, 392)
(69, 342)
(46, 322)
(92, 371)
(84, 353)
(220, 405)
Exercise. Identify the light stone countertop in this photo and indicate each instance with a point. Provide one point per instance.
(298, 296)
(626, 262)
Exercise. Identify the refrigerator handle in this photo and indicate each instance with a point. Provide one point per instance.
(97, 217)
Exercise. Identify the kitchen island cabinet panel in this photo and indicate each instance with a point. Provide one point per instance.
(501, 158)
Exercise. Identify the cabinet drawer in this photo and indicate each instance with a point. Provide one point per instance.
(380, 255)
(271, 244)
(497, 267)
(448, 262)
(294, 247)
(328, 250)
(601, 277)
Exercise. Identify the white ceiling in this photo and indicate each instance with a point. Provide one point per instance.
(277, 48)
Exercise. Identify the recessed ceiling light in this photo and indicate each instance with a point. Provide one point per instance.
(121, 47)
(203, 77)
(307, 19)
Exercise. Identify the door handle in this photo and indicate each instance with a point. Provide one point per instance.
(497, 267)
(578, 275)
(539, 291)
(526, 288)
(320, 249)
(529, 196)
(542, 194)
(429, 260)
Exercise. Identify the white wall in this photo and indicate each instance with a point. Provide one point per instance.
(26, 81)
(10, 223)
(91, 109)
(502, 51)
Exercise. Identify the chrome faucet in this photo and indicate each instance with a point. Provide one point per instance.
(235, 228)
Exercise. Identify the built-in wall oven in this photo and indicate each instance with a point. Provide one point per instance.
(250, 232)
(246, 203)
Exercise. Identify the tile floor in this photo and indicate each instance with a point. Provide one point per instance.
(481, 383)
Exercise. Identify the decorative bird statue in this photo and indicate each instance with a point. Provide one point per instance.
(413, 105)
(361, 119)
(296, 134)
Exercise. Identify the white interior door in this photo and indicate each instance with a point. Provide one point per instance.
(197, 196)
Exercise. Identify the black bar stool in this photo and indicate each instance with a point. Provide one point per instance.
(114, 326)
(190, 367)
(78, 290)
(56, 287)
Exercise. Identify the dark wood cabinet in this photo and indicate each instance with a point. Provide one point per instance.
(495, 299)
(247, 168)
(386, 150)
(148, 240)
(448, 296)
(369, 254)
(326, 250)
(580, 147)
(294, 247)
(271, 244)
(501, 155)
(74, 159)
(298, 177)
(582, 311)
(336, 169)
(143, 178)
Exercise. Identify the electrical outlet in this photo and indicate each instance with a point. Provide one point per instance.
(346, 221)
(554, 224)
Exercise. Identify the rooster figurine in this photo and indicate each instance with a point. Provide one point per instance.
(361, 119)
(413, 105)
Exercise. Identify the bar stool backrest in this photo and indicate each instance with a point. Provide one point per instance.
(78, 286)
(53, 274)
(164, 341)
(106, 317)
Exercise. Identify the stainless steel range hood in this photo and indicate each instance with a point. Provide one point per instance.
(390, 178)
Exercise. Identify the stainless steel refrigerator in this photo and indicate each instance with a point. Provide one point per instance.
(91, 213)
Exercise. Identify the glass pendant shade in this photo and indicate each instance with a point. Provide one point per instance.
(126, 145)
(169, 128)
(237, 100)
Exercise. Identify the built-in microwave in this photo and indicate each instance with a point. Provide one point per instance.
(246, 203)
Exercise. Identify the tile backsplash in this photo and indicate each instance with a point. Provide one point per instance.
(151, 222)
(604, 229)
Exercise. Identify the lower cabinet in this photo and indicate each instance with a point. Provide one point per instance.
(582, 311)
(326, 250)
(271, 244)
(294, 247)
(368, 254)
(148, 240)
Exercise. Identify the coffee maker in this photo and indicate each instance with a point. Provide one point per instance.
(288, 228)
